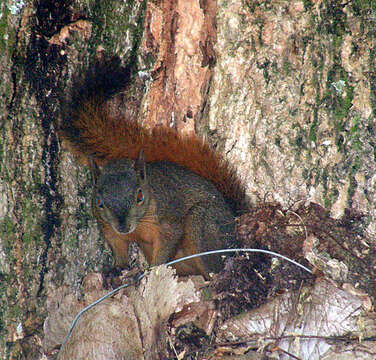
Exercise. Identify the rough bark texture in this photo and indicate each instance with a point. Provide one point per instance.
(285, 88)
(48, 235)
(294, 91)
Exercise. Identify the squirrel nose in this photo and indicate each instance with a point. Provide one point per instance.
(124, 228)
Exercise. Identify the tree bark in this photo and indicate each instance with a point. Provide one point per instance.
(286, 90)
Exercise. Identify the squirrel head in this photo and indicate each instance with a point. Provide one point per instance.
(122, 195)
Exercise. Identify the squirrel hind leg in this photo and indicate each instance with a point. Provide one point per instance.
(206, 228)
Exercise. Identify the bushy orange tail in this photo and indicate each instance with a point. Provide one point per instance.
(93, 133)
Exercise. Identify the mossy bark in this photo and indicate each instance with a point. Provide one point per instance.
(48, 236)
(287, 89)
(294, 90)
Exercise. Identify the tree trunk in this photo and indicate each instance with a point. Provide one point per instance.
(285, 89)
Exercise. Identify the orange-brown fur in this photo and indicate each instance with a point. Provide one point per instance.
(106, 138)
(150, 236)
(92, 134)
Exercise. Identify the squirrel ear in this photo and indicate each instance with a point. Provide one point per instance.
(140, 166)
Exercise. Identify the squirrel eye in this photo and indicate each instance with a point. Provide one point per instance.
(140, 197)
(99, 202)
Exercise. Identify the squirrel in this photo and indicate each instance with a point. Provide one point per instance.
(170, 193)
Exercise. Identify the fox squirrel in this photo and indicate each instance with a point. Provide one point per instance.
(170, 193)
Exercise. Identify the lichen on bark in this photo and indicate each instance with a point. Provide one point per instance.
(293, 95)
(47, 231)
(289, 95)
